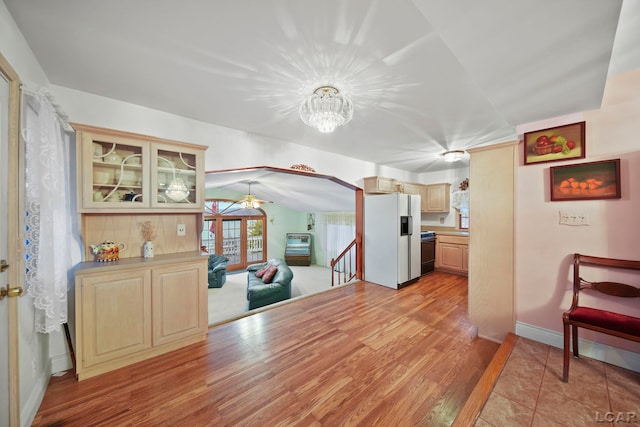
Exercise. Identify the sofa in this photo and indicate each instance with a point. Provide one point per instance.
(217, 270)
(277, 288)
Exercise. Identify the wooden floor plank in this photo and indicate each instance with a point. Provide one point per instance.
(360, 354)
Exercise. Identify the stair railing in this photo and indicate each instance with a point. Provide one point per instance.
(342, 266)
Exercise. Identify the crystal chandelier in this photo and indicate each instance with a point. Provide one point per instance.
(453, 156)
(326, 109)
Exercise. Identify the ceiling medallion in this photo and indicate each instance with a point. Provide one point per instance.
(452, 156)
(326, 109)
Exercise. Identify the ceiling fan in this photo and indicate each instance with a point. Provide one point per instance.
(249, 201)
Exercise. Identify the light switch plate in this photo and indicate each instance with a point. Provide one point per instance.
(574, 218)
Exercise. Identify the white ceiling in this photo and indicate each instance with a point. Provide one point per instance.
(425, 76)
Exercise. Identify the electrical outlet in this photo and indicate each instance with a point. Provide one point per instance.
(182, 229)
(574, 218)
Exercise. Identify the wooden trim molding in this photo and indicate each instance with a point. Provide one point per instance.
(14, 235)
(481, 392)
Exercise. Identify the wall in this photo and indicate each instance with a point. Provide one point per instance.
(228, 148)
(544, 248)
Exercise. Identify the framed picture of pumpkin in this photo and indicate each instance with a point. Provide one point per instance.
(555, 144)
(586, 181)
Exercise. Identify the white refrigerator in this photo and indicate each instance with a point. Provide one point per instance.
(392, 239)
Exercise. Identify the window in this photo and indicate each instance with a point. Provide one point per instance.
(239, 234)
(463, 220)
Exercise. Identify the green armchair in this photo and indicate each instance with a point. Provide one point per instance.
(217, 270)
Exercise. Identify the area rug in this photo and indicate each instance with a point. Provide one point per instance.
(230, 301)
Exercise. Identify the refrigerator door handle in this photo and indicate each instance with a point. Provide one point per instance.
(410, 225)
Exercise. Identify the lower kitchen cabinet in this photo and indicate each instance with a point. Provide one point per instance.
(452, 254)
(135, 309)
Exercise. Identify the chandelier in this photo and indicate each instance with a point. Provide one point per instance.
(177, 189)
(326, 109)
(452, 156)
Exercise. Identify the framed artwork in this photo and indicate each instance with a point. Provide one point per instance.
(586, 181)
(555, 144)
(311, 222)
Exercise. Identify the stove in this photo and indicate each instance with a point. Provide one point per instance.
(428, 251)
(427, 235)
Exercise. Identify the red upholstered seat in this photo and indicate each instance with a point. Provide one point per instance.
(606, 319)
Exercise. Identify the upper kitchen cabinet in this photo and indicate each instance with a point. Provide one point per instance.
(121, 172)
(380, 185)
(436, 198)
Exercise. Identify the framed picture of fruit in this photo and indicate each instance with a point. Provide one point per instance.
(554, 144)
(586, 181)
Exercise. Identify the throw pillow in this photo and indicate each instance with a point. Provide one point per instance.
(261, 272)
(268, 275)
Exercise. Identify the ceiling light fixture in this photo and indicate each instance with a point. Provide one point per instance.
(250, 201)
(326, 109)
(452, 156)
(177, 189)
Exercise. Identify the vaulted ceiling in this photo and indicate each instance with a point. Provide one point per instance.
(425, 76)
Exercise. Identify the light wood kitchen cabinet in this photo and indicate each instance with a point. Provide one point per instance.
(134, 309)
(452, 254)
(121, 172)
(176, 297)
(115, 316)
(436, 198)
(380, 185)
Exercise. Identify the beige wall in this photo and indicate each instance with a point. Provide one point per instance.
(544, 248)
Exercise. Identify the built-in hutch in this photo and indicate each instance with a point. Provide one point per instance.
(135, 308)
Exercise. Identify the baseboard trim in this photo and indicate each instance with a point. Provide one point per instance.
(29, 410)
(60, 362)
(604, 353)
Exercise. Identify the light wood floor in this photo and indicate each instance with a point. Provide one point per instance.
(362, 354)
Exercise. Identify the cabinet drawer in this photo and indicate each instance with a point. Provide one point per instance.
(455, 240)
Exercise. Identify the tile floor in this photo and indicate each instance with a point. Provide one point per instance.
(530, 392)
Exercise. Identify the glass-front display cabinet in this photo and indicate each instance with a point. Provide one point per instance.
(125, 172)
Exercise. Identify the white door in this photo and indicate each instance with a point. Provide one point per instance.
(9, 412)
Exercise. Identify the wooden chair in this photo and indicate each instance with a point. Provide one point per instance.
(607, 322)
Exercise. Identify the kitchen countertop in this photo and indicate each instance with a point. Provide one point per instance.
(452, 233)
(445, 231)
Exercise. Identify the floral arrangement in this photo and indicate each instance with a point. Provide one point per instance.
(302, 167)
(464, 184)
(148, 230)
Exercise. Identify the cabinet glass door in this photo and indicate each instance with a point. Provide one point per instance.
(175, 180)
(117, 174)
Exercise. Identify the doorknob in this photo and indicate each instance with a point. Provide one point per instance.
(10, 292)
(3, 265)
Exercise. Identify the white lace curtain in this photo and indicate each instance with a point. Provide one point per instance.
(339, 231)
(48, 214)
(460, 200)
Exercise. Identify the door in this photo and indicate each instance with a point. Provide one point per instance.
(4, 312)
(9, 386)
(231, 240)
